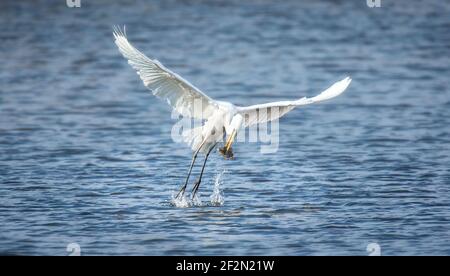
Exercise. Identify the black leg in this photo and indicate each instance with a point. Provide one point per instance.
(197, 183)
(181, 192)
(183, 189)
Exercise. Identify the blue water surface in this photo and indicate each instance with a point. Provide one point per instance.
(86, 154)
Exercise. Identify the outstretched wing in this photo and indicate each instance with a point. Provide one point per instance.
(184, 97)
(261, 113)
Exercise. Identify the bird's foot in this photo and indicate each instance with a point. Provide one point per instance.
(195, 188)
(181, 192)
(227, 154)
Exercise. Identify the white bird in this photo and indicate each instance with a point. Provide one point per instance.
(220, 118)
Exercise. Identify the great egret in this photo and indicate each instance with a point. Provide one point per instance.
(219, 117)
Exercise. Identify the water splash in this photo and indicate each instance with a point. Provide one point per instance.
(185, 201)
(180, 202)
(196, 201)
(217, 197)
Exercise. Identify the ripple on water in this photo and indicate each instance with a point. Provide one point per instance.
(86, 154)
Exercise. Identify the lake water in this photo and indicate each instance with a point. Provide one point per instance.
(86, 154)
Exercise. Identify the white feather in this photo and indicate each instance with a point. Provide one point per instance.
(184, 97)
(190, 101)
(261, 113)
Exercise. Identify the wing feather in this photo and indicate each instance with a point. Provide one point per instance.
(184, 97)
(261, 113)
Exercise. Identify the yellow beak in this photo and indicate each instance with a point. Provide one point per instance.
(230, 140)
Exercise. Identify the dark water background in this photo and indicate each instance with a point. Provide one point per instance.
(86, 154)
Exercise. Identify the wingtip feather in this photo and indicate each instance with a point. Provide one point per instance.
(333, 91)
(118, 32)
